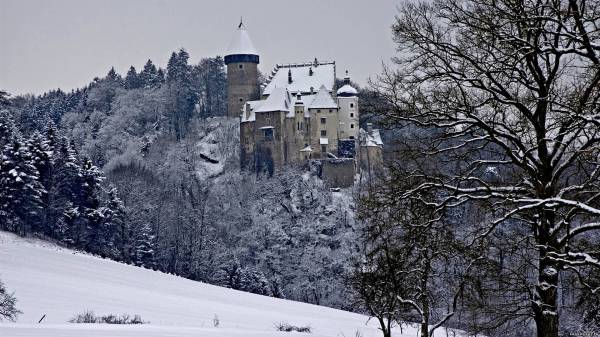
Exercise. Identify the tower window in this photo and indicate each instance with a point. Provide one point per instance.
(268, 134)
(241, 99)
(241, 66)
(323, 133)
(330, 110)
(351, 105)
(323, 120)
(318, 111)
(352, 114)
(351, 126)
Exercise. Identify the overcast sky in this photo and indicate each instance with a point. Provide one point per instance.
(66, 43)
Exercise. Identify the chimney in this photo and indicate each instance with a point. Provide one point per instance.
(247, 111)
(290, 76)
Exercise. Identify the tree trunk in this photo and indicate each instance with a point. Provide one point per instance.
(545, 298)
(384, 328)
(544, 307)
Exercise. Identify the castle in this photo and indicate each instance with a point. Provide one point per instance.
(297, 116)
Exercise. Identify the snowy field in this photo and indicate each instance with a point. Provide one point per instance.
(61, 283)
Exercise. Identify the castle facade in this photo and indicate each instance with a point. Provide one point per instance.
(296, 116)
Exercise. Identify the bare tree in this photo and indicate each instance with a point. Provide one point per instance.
(512, 87)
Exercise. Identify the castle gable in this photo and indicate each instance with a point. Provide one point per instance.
(323, 100)
(304, 76)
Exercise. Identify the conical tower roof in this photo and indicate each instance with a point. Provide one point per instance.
(240, 43)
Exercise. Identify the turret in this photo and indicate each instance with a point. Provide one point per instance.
(347, 97)
(242, 72)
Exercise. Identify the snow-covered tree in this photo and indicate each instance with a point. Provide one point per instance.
(133, 79)
(144, 247)
(8, 308)
(513, 87)
(21, 197)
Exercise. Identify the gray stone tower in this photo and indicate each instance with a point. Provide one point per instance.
(242, 72)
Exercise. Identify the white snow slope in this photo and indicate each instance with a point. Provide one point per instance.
(60, 283)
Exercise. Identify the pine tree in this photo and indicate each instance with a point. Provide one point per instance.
(8, 308)
(132, 79)
(20, 200)
(114, 232)
(41, 156)
(144, 247)
(149, 76)
(89, 203)
(7, 127)
(63, 212)
(182, 93)
(113, 76)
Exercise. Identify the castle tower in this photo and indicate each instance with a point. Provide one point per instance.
(348, 102)
(242, 72)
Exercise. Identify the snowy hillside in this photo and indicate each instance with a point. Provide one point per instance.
(61, 283)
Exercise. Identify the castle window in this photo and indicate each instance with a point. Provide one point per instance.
(299, 126)
(351, 126)
(330, 110)
(241, 99)
(323, 148)
(352, 114)
(318, 111)
(267, 132)
(323, 133)
(323, 120)
(352, 105)
(351, 137)
(241, 66)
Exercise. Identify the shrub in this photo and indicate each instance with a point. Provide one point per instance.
(290, 328)
(90, 317)
(8, 309)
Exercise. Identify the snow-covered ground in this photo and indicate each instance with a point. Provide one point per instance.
(60, 283)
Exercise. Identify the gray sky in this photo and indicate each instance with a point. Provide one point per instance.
(66, 43)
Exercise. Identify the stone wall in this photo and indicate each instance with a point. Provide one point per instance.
(247, 146)
(338, 172)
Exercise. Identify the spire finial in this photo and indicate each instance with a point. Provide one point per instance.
(241, 22)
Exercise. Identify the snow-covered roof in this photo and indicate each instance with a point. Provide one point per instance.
(240, 43)
(279, 100)
(370, 139)
(323, 141)
(348, 90)
(304, 76)
(323, 100)
(307, 149)
(251, 116)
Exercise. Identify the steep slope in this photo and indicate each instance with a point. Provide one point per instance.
(61, 283)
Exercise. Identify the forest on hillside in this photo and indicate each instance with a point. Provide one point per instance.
(143, 169)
